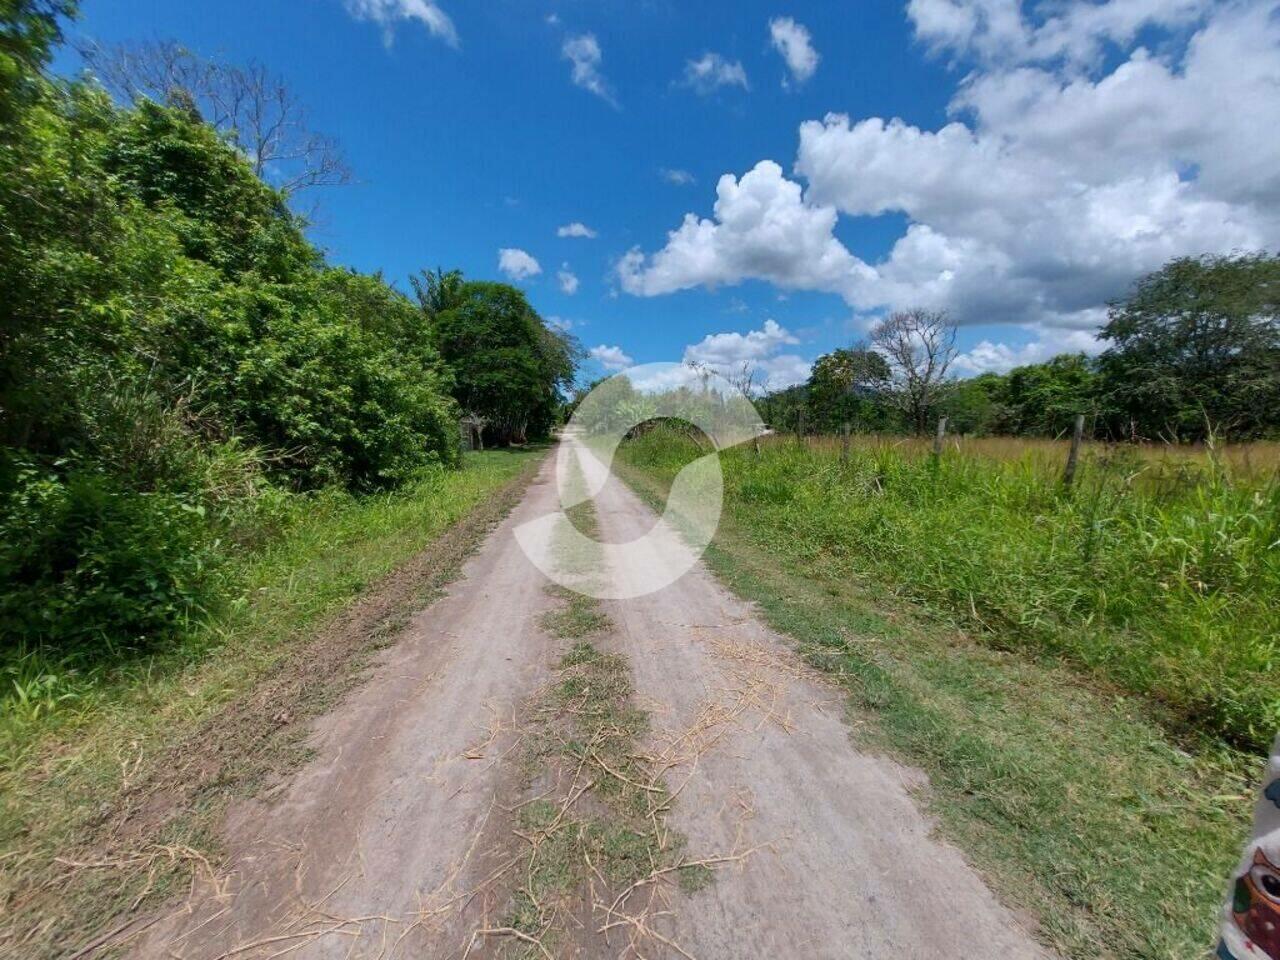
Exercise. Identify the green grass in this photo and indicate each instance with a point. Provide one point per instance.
(63, 773)
(1076, 800)
(1160, 580)
(579, 617)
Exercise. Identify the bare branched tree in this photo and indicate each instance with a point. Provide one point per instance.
(747, 377)
(919, 346)
(249, 105)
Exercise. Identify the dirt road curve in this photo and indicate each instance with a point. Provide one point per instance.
(382, 845)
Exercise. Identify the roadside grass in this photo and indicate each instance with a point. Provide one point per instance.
(1158, 577)
(1083, 809)
(598, 836)
(110, 801)
(1255, 462)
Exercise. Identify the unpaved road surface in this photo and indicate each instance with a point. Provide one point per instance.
(387, 842)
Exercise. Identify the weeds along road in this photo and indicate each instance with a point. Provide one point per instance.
(656, 777)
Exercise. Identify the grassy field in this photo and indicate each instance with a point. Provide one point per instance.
(1245, 462)
(1088, 785)
(228, 702)
(1159, 573)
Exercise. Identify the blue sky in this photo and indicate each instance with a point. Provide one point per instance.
(469, 133)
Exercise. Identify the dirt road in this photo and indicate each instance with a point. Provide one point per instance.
(398, 838)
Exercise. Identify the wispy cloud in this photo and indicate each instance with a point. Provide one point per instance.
(584, 53)
(711, 71)
(568, 281)
(385, 13)
(681, 178)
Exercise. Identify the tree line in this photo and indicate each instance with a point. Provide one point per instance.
(179, 363)
(1192, 352)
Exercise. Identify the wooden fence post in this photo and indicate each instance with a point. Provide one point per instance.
(939, 437)
(755, 445)
(1069, 475)
(800, 428)
(844, 443)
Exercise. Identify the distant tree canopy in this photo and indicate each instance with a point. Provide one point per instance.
(1197, 345)
(973, 406)
(785, 409)
(510, 369)
(1194, 348)
(843, 389)
(1043, 399)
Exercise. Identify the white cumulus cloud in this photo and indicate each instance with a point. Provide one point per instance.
(1002, 31)
(729, 349)
(756, 351)
(792, 40)
(583, 52)
(711, 71)
(385, 13)
(762, 228)
(1054, 186)
(568, 281)
(997, 357)
(611, 358)
(517, 264)
(576, 229)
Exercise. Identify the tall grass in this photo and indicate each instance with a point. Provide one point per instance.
(1159, 572)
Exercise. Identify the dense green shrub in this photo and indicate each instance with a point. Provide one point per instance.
(140, 246)
(94, 568)
(175, 355)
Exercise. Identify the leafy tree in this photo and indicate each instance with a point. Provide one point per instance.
(29, 29)
(973, 406)
(438, 291)
(1043, 399)
(168, 159)
(781, 410)
(157, 253)
(845, 387)
(1195, 347)
(510, 368)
